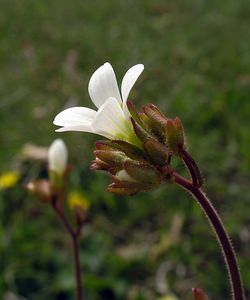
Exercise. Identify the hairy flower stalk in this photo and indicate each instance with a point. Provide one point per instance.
(221, 234)
(139, 151)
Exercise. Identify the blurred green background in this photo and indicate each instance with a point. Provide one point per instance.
(197, 66)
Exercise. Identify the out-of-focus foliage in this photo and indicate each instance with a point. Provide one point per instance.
(197, 66)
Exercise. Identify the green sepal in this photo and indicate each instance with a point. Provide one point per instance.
(142, 172)
(156, 122)
(99, 165)
(134, 114)
(127, 187)
(156, 151)
(130, 150)
(56, 179)
(105, 145)
(175, 135)
(142, 134)
(153, 113)
(122, 190)
(113, 158)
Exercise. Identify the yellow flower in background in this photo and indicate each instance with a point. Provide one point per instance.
(168, 297)
(9, 179)
(77, 199)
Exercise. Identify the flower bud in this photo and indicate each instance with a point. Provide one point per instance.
(175, 135)
(124, 188)
(134, 114)
(117, 145)
(141, 133)
(156, 151)
(143, 172)
(153, 113)
(112, 158)
(98, 164)
(123, 175)
(41, 189)
(134, 177)
(111, 155)
(155, 121)
(57, 159)
(130, 150)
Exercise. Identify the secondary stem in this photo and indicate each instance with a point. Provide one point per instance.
(74, 235)
(75, 246)
(221, 234)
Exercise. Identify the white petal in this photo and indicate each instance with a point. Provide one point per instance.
(124, 176)
(84, 128)
(129, 80)
(75, 116)
(110, 120)
(57, 156)
(103, 85)
(75, 119)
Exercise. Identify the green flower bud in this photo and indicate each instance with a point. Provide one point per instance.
(155, 121)
(142, 172)
(123, 175)
(175, 135)
(130, 150)
(153, 113)
(134, 114)
(98, 164)
(156, 151)
(113, 158)
(123, 188)
(141, 133)
(124, 184)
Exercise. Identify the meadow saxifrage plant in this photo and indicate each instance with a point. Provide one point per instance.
(53, 191)
(139, 149)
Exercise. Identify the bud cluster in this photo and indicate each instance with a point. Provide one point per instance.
(53, 190)
(139, 168)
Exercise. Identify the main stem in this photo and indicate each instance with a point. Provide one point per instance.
(74, 235)
(221, 234)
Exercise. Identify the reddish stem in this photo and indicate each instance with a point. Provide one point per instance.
(192, 167)
(75, 246)
(221, 234)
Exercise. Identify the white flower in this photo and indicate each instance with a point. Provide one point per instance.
(111, 120)
(57, 157)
